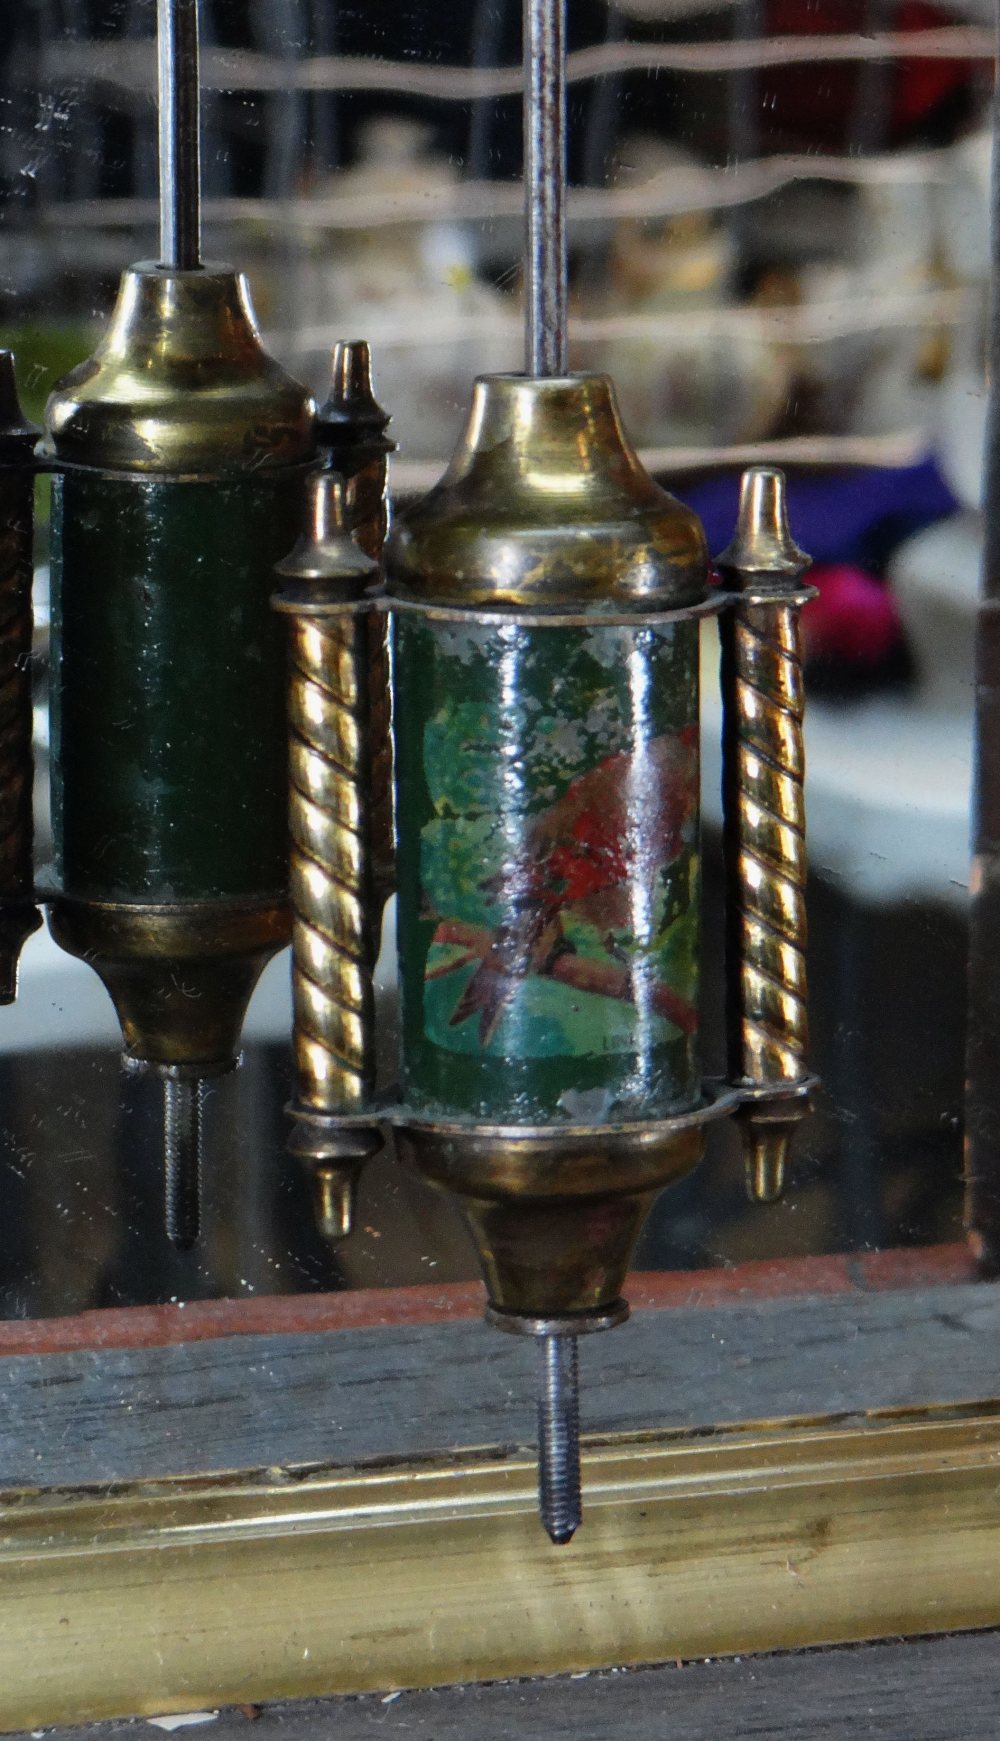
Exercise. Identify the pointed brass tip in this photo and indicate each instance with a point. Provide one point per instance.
(352, 408)
(763, 545)
(766, 1153)
(14, 426)
(768, 1128)
(334, 1195)
(333, 1154)
(351, 371)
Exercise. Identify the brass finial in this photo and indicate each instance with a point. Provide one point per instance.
(334, 1193)
(768, 1133)
(352, 413)
(326, 565)
(351, 431)
(763, 546)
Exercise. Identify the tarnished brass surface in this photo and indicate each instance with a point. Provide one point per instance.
(192, 1593)
(351, 426)
(546, 504)
(19, 916)
(180, 977)
(181, 384)
(555, 1217)
(764, 768)
(333, 944)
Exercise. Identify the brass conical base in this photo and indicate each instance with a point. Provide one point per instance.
(555, 1216)
(180, 978)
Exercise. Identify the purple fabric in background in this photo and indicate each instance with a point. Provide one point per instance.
(857, 516)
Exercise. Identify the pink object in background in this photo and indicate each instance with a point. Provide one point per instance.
(854, 621)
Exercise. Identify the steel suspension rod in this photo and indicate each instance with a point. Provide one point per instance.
(546, 292)
(180, 134)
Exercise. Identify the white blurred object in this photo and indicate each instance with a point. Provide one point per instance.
(935, 576)
(414, 278)
(702, 387)
(963, 210)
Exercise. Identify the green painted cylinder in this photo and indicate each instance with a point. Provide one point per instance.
(549, 869)
(181, 450)
(169, 759)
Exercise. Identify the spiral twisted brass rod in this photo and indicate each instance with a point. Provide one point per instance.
(771, 878)
(367, 519)
(333, 947)
(765, 828)
(352, 428)
(329, 865)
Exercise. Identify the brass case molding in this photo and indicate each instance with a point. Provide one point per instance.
(183, 1593)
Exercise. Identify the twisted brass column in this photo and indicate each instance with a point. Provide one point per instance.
(333, 945)
(352, 429)
(763, 773)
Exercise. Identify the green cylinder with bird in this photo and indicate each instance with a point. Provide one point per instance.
(546, 700)
(549, 877)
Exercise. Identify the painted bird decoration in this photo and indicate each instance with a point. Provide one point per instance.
(596, 854)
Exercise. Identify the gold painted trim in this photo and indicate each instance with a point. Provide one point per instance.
(194, 1592)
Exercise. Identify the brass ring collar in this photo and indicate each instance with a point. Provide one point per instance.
(520, 616)
(559, 1324)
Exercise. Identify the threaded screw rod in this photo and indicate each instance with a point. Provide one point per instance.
(559, 1438)
(183, 1103)
(178, 71)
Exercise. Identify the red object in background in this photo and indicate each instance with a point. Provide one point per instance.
(853, 622)
(817, 102)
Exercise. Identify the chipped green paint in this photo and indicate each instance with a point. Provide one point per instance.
(549, 876)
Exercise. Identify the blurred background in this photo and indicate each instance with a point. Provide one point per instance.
(779, 248)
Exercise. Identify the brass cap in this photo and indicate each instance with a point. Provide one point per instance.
(546, 505)
(352, 416)
(181, 383)
(762, 547)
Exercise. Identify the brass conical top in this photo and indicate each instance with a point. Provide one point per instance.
(181, 383)
(546, 505)
(763, 547)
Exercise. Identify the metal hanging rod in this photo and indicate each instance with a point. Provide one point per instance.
(180, 134)
(546, 275)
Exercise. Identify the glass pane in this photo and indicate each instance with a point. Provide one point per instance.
(778, 249)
